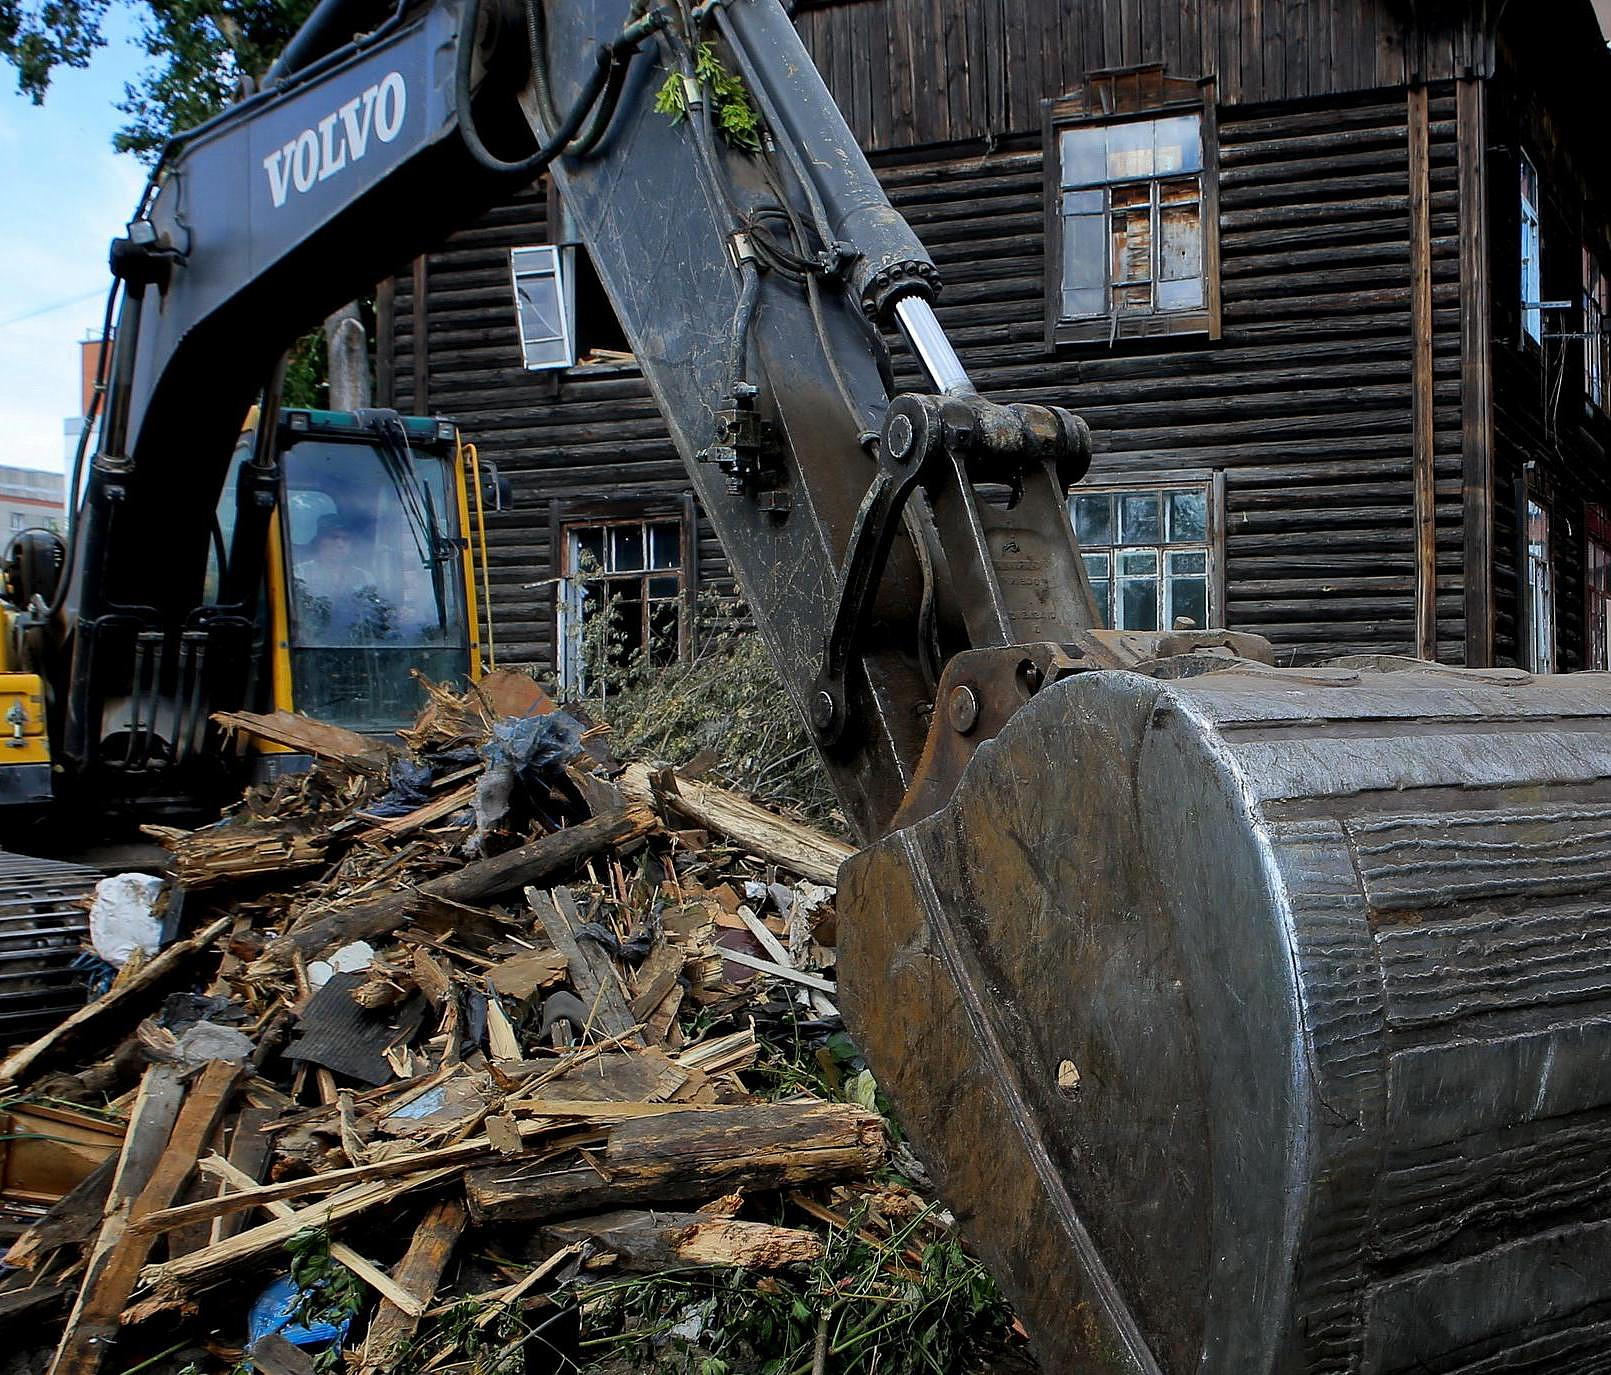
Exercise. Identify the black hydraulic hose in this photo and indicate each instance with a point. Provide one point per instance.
(738, 358)
(606, 59)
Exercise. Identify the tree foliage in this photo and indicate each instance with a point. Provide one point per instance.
(201, 52)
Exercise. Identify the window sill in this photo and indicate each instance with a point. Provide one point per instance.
(1105, 329)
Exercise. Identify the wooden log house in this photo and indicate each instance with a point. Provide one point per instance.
(1326, 277)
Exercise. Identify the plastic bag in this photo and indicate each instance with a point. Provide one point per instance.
(123, 917)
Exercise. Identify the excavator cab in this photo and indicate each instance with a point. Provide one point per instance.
(372, 561)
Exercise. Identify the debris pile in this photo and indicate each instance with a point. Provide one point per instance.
(483, 1054)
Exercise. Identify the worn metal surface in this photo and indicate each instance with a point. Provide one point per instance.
(1261, 1021)
(43, 925)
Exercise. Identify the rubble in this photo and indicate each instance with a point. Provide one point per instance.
(480, 1052)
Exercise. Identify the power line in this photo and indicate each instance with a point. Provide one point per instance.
(58, 305)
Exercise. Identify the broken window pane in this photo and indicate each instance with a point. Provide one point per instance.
(1153, 256)
(665, 545)
(545, 337)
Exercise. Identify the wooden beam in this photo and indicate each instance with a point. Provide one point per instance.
(592, 970)
(119, 1008)
(419, 1272)
(1425, 475)
(1476, 372)
(799, 849)
(421, 342)
(114, 1265)
(553, 856)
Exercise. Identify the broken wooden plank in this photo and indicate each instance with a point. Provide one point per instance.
(234, 851)
(520, 976)
(114, 1265)
(648, 1242)
(552, 856)
(201, 1268)
(419, 1272)
(693, 1154)
(307, 736)
(115, 1012)
(592, 970)
(73, 1220)
(800, 849)
(780, 971)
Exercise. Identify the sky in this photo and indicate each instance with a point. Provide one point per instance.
(65, 196)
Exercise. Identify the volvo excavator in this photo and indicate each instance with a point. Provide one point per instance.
(1253, 1020)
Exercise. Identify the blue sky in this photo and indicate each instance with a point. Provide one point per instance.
(65, 195)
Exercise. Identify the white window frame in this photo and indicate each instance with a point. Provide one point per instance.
(545, 261)
(1540, 589)
(1532, 252)
(1166, 551)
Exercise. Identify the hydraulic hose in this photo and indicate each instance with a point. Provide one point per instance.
(602, 81)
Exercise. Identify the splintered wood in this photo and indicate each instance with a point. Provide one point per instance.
(400, 1015)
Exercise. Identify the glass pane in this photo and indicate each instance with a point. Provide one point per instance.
(1139, 518)
(626, 548)
(1096, 567)
(1138, 604)
(1188, 561)
(665, 545)
(1187, 295)
(1083, 156)
(1084, 255)
(665, 588)
(587, 551)
(1138, 563)
(538, 295)
(1093, 518)
(1188, 517)
(1129, 150)
(1101, 589)
(1179, 144)
(532, 259)
(1083, 203)
(1087, 301)
(1187, 601)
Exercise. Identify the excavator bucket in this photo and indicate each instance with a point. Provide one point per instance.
(1261, 1021)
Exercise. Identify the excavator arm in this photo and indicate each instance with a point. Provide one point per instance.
(1254, 1020)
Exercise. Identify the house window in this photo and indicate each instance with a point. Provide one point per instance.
(1147, 555)
(1131, 213)
(1597, 586)
(1532, 277)
(1596, 357)
(621, 606)
(1540, 591)
(542, 308)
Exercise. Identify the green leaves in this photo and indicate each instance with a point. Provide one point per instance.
(736, 117)
(37, 38)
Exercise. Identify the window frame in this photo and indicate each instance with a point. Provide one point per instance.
(1596, 601)
(1530, 213)
(1541, 654)
(564, 287)
(649, 508)
(1596, 342)
(1131, 95)
(1211, 484)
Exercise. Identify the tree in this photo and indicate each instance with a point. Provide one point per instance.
(202, 52)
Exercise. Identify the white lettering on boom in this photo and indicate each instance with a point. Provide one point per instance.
(338, 139)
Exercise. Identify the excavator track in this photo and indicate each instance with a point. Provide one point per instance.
(1261, 1021)
(44, 920)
